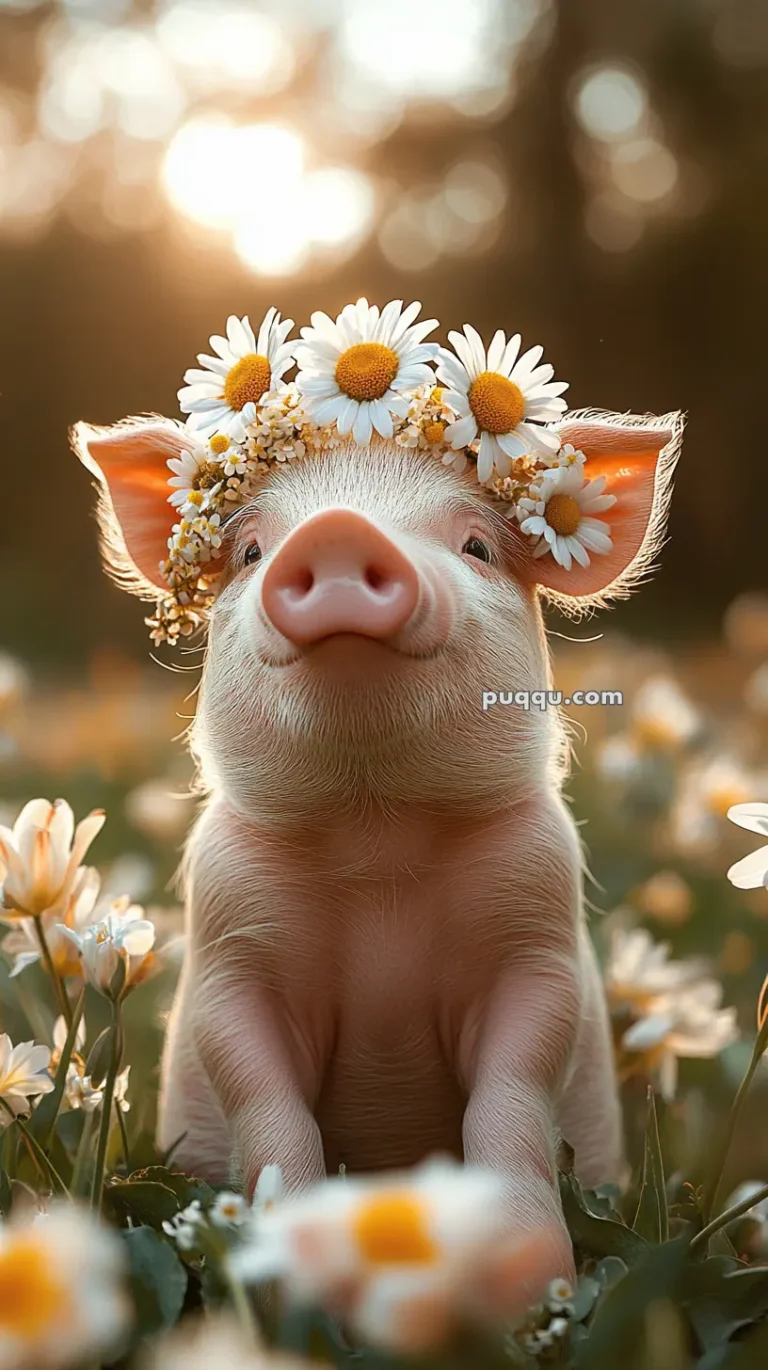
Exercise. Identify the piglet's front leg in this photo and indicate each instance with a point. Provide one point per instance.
(518, 1058)
(246, 1051)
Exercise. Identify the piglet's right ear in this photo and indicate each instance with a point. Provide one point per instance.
(129, 462)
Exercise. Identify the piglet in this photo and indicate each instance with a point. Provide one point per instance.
(387, 952)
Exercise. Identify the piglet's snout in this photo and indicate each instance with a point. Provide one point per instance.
(339, 573)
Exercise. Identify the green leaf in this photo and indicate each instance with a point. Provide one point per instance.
(652, 1218)
(619, 1323)
(734, 1300)
(6, 1193)
(44, 1114)
(143, 1201)
(158, 1281)
(593, 1235)
(749, 1353)
(185, 1187)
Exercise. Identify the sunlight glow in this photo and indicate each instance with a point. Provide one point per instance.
(611, 102)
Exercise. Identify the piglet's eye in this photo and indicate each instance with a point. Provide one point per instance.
(478, 549)
(252, 554)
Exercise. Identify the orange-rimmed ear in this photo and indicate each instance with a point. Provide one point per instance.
(637, 456)
(129, 461)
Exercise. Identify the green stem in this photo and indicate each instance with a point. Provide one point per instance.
(243, 1306)
(97, 1186)
(702, 1238)
(60, 991)
(123, 1137)
(36, 1151)
(83, 1154)
(714, 1185)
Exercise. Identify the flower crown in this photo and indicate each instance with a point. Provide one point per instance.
(370, 372)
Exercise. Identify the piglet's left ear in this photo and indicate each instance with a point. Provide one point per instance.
(637, 457)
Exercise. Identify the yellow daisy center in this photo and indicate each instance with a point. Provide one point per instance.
(30, 1299)
(366, 371)
(725, 794)
(563, 514)
(391, 1229)
(434, 432)
(220, 442)
(496, 402)
(247, 381)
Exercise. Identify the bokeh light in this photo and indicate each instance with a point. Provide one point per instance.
(610, 102)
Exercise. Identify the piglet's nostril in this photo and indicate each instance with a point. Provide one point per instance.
(339, 573)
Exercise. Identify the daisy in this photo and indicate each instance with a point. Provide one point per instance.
(570, 456)
(62, 1297)
(116, 953)
(229, 1210)
(361, 370)
(504, 398)
(684, 1024)
(224, 395)
(662, 714)
(751, 872)
(560, 513)
(23, 1075)
(402, 1257)
(41, 855)
(185, 471)
(639, 971)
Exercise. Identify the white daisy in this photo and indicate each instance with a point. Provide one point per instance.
(185, 471)
(361, 370)
(504, 399)
(560, 513)
(570, 456)
(751, 872)
(226, 453)
(64, 1300)
(681, 1025)
(225, 393)
(402, 1256)
(229, 1210)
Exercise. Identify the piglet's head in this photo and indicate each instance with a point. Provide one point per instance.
(365, 600)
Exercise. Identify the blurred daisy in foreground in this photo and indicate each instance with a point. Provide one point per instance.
(403, 1257)
(41, 856)
(215, 1344)
(560, 513)
(61, 1295)
(685, 1024)
(23, 1076)
(225, 392)
(361, 370)
(752, 871)
(503, 397)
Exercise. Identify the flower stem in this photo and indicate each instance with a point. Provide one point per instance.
(60, 991)
(702, 1238)
(714, 1185)
(42, 1161)
(83, 1153)
(97, 1186)
(123, 1137)
(243, 1307)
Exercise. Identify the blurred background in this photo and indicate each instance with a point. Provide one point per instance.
(594, 175)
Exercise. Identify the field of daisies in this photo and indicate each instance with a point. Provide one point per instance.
(111, 1256)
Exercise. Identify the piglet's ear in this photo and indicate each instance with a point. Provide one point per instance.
(129, 462)
(637, 457)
